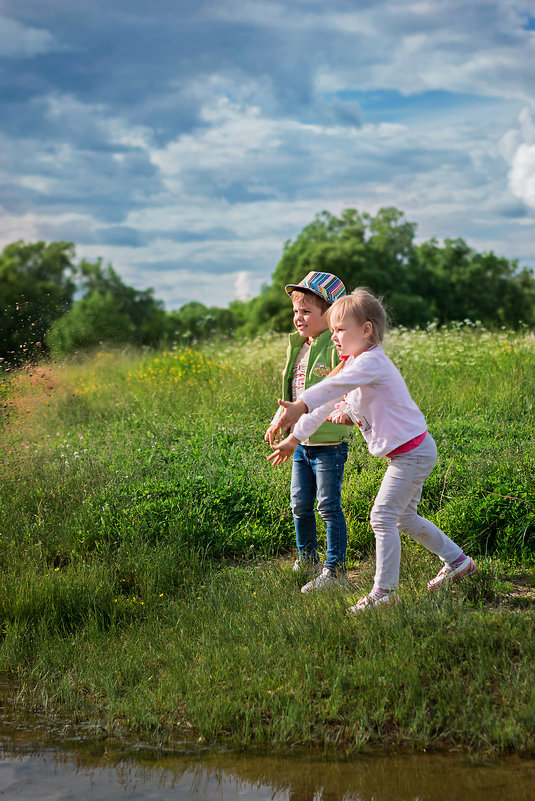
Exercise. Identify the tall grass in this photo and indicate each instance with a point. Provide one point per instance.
(141, 530)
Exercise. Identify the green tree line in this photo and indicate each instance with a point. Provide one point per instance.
(419, 283)
(49, 303)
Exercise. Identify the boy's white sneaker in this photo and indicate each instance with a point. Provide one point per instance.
(325, 581)
(449, 574)
(306, 566)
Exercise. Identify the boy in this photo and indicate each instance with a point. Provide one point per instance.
(318, 463)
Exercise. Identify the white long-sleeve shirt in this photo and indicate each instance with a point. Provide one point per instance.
(376, 398)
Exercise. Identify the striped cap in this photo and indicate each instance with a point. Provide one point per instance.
(326, 285)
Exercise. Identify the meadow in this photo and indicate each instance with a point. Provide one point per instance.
(147, 544)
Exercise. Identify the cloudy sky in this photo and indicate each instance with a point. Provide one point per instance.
(184, 141)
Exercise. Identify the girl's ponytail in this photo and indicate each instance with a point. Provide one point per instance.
(336, 370)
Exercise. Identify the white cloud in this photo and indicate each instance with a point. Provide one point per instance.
(527, 125)
(75, 115)
(472, 48)
(432, 172)
(15, 227)
(232, 137)
(522, 174)
(20, 41)
(518, 148)
(242, 285)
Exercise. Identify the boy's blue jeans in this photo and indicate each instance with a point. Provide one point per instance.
(317, 472)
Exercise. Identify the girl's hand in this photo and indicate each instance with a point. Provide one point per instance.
(292, 413)
(283, 450)
(272, 434)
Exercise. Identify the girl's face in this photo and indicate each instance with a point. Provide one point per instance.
(349, 337)
(309, 319)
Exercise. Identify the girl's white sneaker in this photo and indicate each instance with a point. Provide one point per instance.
(371, 600)
(449, 574)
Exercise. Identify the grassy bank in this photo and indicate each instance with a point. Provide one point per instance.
(142, 534)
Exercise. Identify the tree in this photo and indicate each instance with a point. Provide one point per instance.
(36, 288)
(92, 321)
(376, 252)
(109, 311)
(146, 314)
(419, 283)
(463, 284)
(195, 322)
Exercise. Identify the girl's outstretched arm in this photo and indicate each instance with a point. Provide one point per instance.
(283, 450)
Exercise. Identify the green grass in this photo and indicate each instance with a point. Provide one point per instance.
(237, 654)
(143, 532)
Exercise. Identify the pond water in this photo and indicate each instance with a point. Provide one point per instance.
(52, 774)
(37, 764)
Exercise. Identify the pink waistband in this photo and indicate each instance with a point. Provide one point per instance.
(408, 446)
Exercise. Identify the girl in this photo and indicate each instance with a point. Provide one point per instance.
(368, 389)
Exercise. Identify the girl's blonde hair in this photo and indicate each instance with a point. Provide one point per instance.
(364, 307)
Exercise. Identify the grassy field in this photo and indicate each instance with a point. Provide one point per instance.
(146, 552)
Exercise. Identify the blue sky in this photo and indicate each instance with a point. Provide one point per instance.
(184, 141)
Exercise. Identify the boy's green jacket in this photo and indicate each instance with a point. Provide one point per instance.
(322, 359)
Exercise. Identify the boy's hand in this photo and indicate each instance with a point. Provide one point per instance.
(283, 450)
(340, 416)
(292, 413)
(272, 434)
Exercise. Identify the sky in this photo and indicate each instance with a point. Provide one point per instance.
(185, 141)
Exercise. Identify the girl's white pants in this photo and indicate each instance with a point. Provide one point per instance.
(395, 510)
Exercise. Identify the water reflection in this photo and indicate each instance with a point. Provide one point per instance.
(39, 763)
(105, 773)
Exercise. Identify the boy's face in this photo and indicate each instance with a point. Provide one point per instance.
(309, 319)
